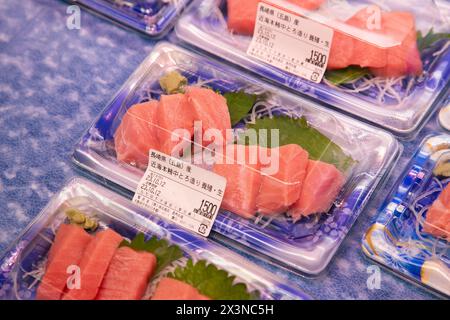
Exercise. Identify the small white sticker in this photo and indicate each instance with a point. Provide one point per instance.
(185, 194)
(294, 44)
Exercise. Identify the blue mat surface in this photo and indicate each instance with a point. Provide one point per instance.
(55, 81)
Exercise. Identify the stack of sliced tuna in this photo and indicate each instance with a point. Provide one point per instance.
(437, 220)
(104, 270)
(295, 185)
(402, 59)
(167, 125)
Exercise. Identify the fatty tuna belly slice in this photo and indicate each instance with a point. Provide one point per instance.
(211, 111)
(136, 134)
(172, 289)
(243, 180)
(242, 14)
(341, 51)
(175, 118)
(320, 189)
(437, 220)
(94, 264)
(128, 275)
(281, 189)
(67, 250)
(405, 58)
(366, 54)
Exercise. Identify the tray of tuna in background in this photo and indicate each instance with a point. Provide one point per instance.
(327, 165)
(411, 232)
(89, 243)
(395, 86)
(153, 17)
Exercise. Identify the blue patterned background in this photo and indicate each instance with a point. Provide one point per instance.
(54, 82)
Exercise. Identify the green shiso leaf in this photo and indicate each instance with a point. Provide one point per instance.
(346, 75)
(164, 252)
(429, 39)
(212, 282)
(239, 104)
(298, 131)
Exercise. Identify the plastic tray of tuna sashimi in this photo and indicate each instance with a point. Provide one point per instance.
(388, 64)
(411, 233)
(152, 17)
(297, 175)
(89, 243)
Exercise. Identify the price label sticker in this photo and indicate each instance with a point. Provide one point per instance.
(183, 193)
(290, 42)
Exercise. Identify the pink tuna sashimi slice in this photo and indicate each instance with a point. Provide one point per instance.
(175, 118)
(67, 250)
(437, 220)
(280, 190)
(405, 58)
(242, 14)
(94, 264)
(172, 289)
(341, 51)
(243, 180)
(128, 275)
(364, 53)
(320, 189)
(137, 134)
(212, 110)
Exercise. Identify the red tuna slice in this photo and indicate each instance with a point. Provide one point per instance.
(242, 14)
(175, 118)
(243, 179)
(128, 275)
(308, 4)
(403, 59)
(67, 250)
(136, 134)
(212, 110)
(280, 190)
(172, 289)
(364, 53)
(437, 220)
(94, 264)
(341, 51)
(320, 188)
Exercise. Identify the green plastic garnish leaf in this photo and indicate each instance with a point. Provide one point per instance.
(429, 39)
(346, 75)
(212, 282)
(173, 82)
(298, 131)
(239, 104)
(164, 252)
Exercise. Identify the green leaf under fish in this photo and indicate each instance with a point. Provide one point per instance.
(239, 104)
(298, 131)
(164, 252)
(212, 282)
(346, 75)
(429, 39)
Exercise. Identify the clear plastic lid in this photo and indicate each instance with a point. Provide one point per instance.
(388, 61)
(152, 17)
(90, 228)
(297, 175)
(411, 232)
